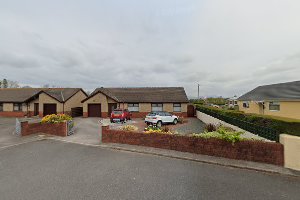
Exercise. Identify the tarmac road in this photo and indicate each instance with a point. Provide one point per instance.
(50, 169)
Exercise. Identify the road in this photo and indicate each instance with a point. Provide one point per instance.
(51, 169)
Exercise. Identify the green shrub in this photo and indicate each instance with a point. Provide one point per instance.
(223, 134)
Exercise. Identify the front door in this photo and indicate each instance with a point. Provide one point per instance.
(36, 109)
(111, 107)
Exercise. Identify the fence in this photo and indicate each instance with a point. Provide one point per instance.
(70, 128)
(18, 128)
(262, 131)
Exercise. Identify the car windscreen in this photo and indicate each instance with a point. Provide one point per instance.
(118, 112)
(152, 114)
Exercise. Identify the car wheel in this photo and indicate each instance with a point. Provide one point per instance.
(158, 124)
(175, 121)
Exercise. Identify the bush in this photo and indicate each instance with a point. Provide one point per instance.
(223, 134)
(155, 129)
(129, 128)
(210, 128)
(281, 125)
(53, 119)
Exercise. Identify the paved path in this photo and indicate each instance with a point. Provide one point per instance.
(55, 170)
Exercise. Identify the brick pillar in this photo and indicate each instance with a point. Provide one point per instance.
(85, 114)
(24, 128)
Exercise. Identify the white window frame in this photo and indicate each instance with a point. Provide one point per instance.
(1, 107)
(133, 107)
(157, 107)
(274, 103)
(176, 107)
(246, 103)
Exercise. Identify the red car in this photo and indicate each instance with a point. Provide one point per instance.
(120, 115)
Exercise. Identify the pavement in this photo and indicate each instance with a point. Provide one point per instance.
(50, 169)
(8, 136)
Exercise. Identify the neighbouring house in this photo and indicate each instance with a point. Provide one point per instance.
(139, 101)
(20, 102)
(232, 102)
(282, 100)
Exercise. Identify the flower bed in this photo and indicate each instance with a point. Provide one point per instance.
(257, 151)
(50, 124)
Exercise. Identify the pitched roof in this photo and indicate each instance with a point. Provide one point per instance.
(20, 95)
(280, 91)
(144, 94)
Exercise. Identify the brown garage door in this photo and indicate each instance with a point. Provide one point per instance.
(94, 110)
(49, 109)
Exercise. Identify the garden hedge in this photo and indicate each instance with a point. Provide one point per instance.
(291, 127)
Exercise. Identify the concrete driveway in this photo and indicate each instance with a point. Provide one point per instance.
(7, 136)
(87, 131)
(51, 169)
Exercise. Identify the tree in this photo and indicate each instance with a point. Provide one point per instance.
(12, 84)
(5, 83)
(46, 86)
(0, 84)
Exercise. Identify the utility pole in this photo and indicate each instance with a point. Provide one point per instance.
(198, 91)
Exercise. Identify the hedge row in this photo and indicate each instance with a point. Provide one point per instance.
(292, 128)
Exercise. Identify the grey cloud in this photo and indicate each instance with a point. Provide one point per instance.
(225, 46)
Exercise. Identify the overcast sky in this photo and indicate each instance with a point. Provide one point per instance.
(227, 46)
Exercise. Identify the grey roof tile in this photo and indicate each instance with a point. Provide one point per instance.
(280, 91)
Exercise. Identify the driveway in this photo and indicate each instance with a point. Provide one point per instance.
(51, 169)
(7, 136)
(86, 131)
(191, 125)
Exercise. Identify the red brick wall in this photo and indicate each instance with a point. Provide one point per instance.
(59, 129)
(139, 114)
(12, 114)
(257, 151)
(182, 114)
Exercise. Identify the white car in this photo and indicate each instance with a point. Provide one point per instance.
(159, 118)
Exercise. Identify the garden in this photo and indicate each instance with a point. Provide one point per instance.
(55, 124)
(210, 131)
(218, 141)
(278, 124)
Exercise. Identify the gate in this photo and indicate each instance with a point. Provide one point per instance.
(18, 128)
(190, 111)
(70, 128)
(77, 112)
